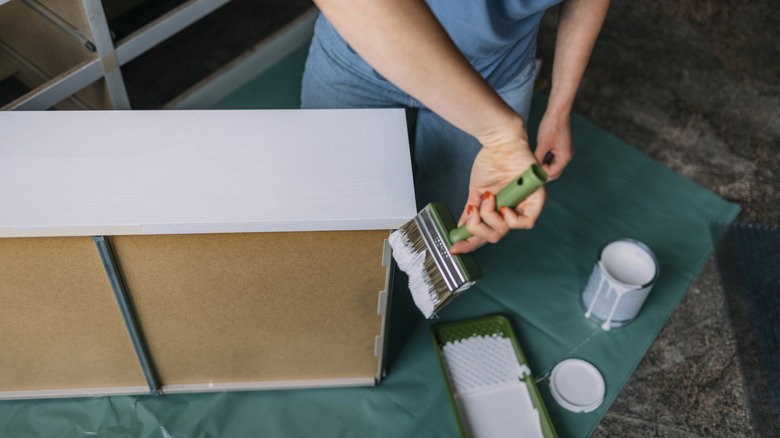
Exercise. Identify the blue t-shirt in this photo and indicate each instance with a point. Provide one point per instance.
(498, 37)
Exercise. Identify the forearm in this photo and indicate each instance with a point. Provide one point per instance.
(405, 43)
(579, 25)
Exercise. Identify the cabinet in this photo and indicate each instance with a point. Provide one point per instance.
(174, 251)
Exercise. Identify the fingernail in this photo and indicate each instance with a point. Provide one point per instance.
(503, 210)
(455, 253)
(470, 210)
(486, 196)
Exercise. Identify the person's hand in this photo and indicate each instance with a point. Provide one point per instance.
(553, 144)
(500, 161)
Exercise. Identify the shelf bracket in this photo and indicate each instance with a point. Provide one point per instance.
(125, 306)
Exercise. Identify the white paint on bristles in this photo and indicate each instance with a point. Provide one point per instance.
(486, 379)
(413, 264)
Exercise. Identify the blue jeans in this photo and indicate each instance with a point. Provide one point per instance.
(336, 77)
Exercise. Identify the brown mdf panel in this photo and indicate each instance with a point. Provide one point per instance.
(254, 307)
(40, 41)
(61, 326)
(71, 11)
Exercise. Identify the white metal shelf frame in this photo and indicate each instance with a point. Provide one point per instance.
(112, 57)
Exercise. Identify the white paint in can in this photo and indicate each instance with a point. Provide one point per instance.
(621, 280)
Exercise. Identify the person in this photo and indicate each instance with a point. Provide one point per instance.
(467, 68)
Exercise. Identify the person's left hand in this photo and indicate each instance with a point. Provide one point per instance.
(497, 164)
(554, 138)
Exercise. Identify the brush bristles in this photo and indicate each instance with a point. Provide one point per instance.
(413, 237)
(439, 292)
(428, 288)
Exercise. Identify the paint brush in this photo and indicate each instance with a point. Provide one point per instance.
(421, 247)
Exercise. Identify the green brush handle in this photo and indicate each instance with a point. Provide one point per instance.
(509, 196)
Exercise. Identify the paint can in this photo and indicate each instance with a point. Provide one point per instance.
(624, 273)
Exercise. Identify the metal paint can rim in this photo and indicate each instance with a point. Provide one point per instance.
(639, 244)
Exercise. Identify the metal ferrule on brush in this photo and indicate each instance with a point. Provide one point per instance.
(439, 251)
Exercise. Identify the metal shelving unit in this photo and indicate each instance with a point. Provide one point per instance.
(63, 50)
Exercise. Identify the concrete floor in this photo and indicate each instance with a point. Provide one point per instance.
(696, 86)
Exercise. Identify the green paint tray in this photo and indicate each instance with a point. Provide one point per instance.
(492, 391)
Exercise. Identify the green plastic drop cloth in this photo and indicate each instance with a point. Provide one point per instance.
(533, 277)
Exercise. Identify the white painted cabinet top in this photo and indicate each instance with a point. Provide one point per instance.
(65, 173)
